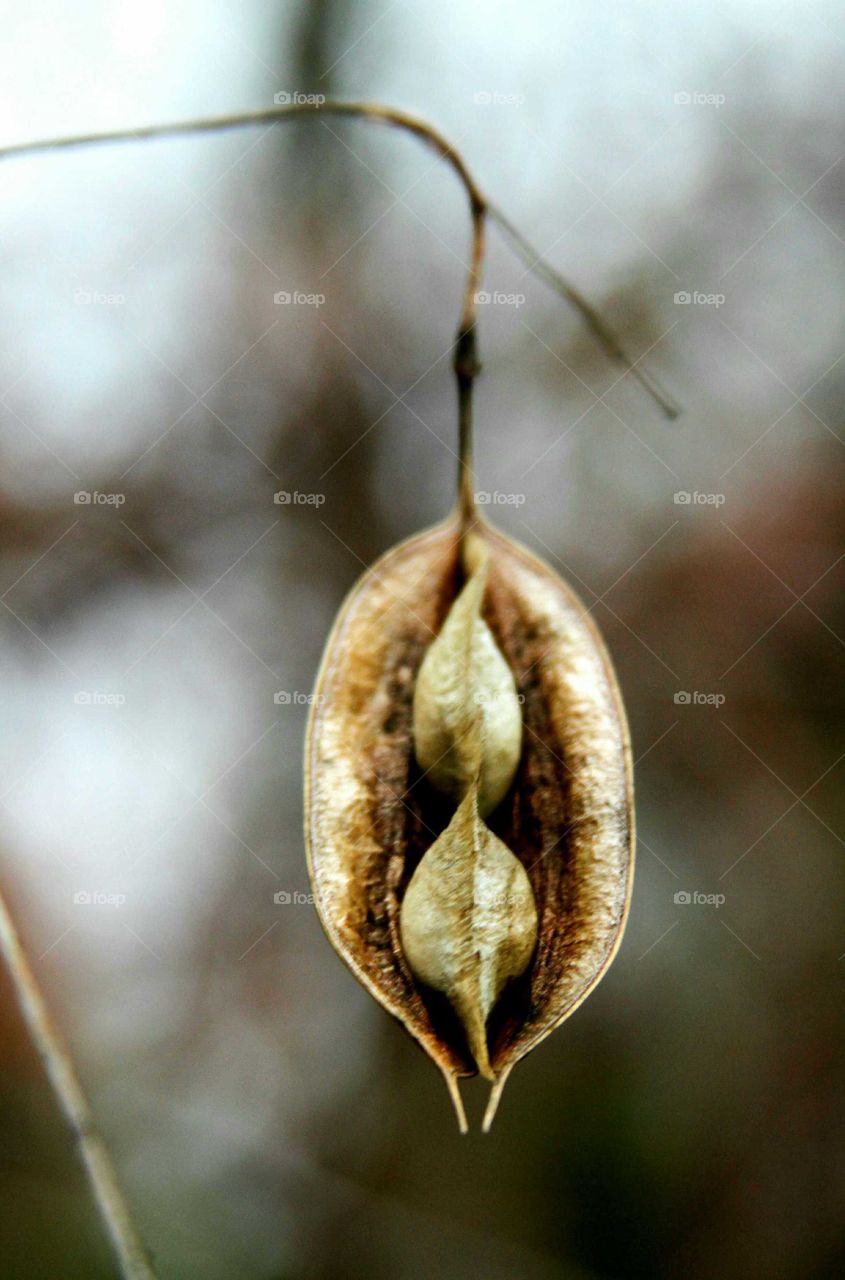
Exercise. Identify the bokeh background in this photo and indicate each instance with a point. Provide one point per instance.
(268, 1119)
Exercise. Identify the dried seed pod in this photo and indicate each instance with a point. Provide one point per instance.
(568, 817)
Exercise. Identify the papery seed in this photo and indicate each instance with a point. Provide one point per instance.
(467, 720)
(468, 922)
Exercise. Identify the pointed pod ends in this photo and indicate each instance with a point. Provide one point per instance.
(457, 1101)
(493, 1101)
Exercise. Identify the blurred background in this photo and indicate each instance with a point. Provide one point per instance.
(684, 167)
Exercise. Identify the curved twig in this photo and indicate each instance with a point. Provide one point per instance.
(465, 360)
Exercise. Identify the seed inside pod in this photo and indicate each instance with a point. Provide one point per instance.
(467, 721)
(468, 921)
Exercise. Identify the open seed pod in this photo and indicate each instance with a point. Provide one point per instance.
(373, 813)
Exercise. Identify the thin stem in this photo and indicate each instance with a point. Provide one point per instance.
(132, 1256)
(465, 360)
(601, 331)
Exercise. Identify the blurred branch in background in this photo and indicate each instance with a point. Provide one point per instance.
(132, 1256)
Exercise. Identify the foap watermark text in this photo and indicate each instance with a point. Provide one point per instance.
(87, 498)
(497, 499)
(296, 499)
(695, 698)
(92, 698)
(685, 898)
(685, 298)
(683, 498)
(297, 298)
(498, 98)
(296, 98)
(697, 98)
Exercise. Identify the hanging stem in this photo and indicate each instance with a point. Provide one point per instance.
(466, 364)
(131, 1254)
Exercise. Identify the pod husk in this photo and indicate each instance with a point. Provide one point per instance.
(568, 817)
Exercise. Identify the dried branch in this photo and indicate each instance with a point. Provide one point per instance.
(133, 1258)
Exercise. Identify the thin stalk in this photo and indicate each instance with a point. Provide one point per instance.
(466, 364)
(133, 1258)
(599, 328)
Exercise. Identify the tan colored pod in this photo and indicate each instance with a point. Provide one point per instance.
(371, 814)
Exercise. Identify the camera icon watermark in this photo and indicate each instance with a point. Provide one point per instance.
(683, 898)
(297, 298)
(685, 498)
(96, 298)
(295, 898)
(695, 698)
(496, 98)
(85, 498)
(695, 98)
(93, 698)
(481, 699)
(94, 898)
(292, 698)
(484, 298)
(497, 499)
(284, 498)
(685, 298)
(294, 97)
